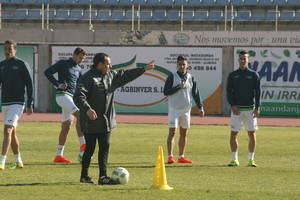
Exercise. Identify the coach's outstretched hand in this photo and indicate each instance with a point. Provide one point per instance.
(149, 66)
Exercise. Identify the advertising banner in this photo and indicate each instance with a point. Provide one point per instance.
(279, 70)
(145, 94)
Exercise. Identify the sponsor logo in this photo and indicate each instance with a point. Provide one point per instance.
(181, 38)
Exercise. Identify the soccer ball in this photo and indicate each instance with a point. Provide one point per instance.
(121, 175)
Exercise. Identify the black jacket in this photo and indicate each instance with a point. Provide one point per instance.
(14, 78)
(243, 86)
(96, 91)
(68, 72)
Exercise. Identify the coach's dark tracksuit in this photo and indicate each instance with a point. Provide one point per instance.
(68, 73)
(14, 78)
(96, 91)
(243, 86)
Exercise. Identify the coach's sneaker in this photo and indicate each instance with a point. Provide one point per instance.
(16, 165)
(2, 166)
(234, 163)
(252, 163)
(61, 159)
(81, 152)
(171, 159)
(86, 179)
(105, 180)
(184, 160)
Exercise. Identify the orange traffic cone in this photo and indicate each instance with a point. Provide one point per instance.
(160, 177)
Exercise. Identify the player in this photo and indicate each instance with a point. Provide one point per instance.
(95, 98)
(14, 78)
(68, 73)
(243, 87)
(180, 87)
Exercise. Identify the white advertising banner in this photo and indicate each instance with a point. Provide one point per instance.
(279, 70)
(145, 94)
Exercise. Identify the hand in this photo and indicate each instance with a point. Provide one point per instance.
(255, 113)
(235, 110)
(91, 114)
(29, 111)
(149, 66)
(202, 113)
(63, 86)
(183, 84)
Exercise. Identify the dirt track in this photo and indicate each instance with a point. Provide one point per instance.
(162, 119)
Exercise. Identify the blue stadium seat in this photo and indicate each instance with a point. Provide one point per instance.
(243, 15)
(188, 15)
(178, 2)
(8, 14)
(293, 2)
(238, 2)
(86, 14)
(266, 2)
(153, 2)
(84, 1)
(104, 14)
(159, 15)
(287, 15)
(16, 1)
(118, 14)
(62, 14)
(99, 1)
(128, 15)
(77, 14)
(141, 2)
(201, 15)
(21, 13)
(195, 2)
(126, 2)
(258, 16)
(146, 15)
(70, 1)
(34, 14)
(297, 15)
(279, 2)
(173, 15)
(215, 15)
(223, 2)
(271, 15)
(251, 2)
(209, 2)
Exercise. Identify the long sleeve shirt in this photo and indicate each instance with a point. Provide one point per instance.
(243, 88)
(14, 78)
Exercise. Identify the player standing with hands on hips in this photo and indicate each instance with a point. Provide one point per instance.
(95, 98)
(243, 87)
(181, 88)
(14, 78)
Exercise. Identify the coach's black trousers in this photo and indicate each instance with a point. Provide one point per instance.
(103, 143)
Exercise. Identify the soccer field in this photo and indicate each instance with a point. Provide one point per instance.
(134, 147)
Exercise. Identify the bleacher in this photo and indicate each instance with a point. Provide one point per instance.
(152, 10)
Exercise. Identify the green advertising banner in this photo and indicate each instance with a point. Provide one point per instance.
(279, 70)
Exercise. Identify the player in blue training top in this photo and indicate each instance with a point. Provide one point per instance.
(68, 73)
(181, 88)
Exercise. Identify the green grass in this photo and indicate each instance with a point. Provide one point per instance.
(134, 147)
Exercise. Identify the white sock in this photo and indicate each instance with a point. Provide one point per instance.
(81, 140)
(234, 155)
(18, 158)
(181, 156)
(251, 155)
(60, 150)
(2, 159)
(171, 155)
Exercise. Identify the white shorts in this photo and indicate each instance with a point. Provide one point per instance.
(11, 114)
(180, 118)
(68, 107)
(245, 117)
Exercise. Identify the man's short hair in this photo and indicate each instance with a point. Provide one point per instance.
(11, 42)
(99, 58)
(181, 58)
(243, 53)
(79, 50)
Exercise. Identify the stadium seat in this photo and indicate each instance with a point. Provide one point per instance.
(287, 15)
(188, 15)
(271, 15)
(266, 2)
(215, 15)
(118, 14)
(243, 15)
(251, 2)
(279, 2)
(128, 15)
(16, 1)
(173, 15)
(293, 2)
(146, 15)
(238, 2)
(159, 15)
(178, 2)
(297, 15)
(84, 1)
(126, 2)
(76, 14)
(7, 14)
(195, 2)
(140, 2)
(34, 14)
(258, 16)
(201, 15)
(99, 1)
(222, 2)
(209, 2)
(104, 14)
(21, 13)
(153, 2)
(62, 14)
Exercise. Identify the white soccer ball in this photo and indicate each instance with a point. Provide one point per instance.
(121, 175)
